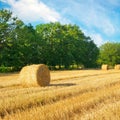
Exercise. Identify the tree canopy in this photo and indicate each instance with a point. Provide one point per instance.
(54, 44)
(109, 54)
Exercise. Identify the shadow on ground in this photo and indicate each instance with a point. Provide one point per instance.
(63, 84)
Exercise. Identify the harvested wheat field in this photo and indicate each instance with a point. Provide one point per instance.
(71, 95)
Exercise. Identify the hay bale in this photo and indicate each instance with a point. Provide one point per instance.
(117, 67)
(104, 67)
(35, 75)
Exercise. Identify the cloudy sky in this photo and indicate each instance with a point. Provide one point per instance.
(99, 19)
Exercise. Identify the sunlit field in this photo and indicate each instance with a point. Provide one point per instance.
(71, 95)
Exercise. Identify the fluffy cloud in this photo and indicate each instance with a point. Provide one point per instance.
(33, 11)
(114, 2)
(97, 39)
(99, 18)
(2, 0)
(92, 14)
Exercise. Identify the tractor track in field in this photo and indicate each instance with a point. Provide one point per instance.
(18, 85)
(91, 103)
(53, 100)
(83, 76)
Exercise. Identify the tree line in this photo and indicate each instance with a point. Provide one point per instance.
(109, 54)
(53, 44)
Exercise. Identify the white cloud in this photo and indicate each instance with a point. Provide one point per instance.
(2, 0)
(96, 37)
(98, 40)
(33, 11)
(114, 2)
(94, 16)
(91, 14)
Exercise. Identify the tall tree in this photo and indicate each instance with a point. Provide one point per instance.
(18, 42)
(109, 53)
(7, 24)
(64, 45)
(90, 54)
(52, 44)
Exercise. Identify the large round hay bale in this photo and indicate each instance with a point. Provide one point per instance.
(35, 75)
(117, 67)
(104, 67)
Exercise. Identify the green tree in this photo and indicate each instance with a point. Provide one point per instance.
(52, 44)
(18, 42)
(27, 44)
(64, 45)
(90, 54)
(57, 43)
(7, 24)
(109, 54)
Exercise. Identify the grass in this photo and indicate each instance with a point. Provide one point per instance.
(72, 95)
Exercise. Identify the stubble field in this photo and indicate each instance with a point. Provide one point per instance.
(71, 95)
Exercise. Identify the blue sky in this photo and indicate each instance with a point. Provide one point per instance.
(99, 19)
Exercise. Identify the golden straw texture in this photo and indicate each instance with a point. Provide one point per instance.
(117, 67)
(35, 75)
(104, 67)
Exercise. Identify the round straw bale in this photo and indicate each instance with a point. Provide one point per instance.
(35, 75)
(117, 67)
(104, 67)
